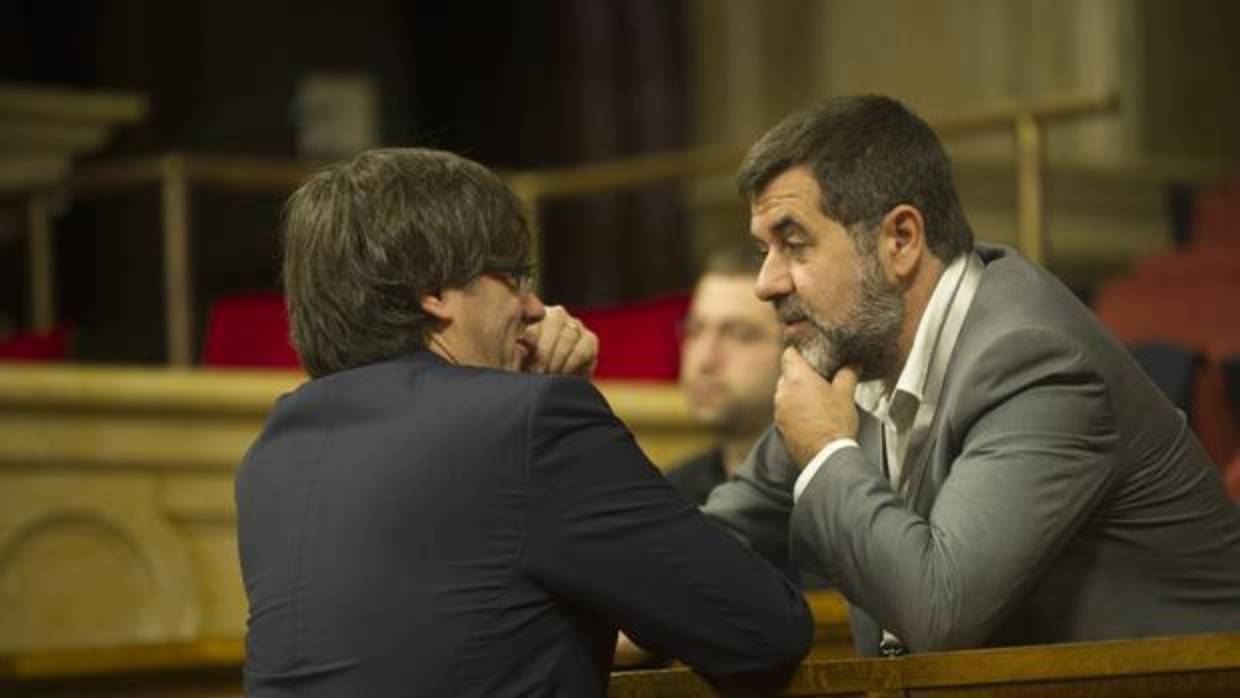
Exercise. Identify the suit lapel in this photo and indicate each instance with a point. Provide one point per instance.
(921, 479)
(915, 480)
(870, 438)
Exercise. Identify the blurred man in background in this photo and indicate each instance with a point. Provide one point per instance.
(729, 366)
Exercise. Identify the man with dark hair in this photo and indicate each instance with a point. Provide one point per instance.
(1012, 477)
(448, 508)
(729, 363)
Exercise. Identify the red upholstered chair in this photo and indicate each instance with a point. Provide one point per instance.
(1216, 214)
(1231, 477)
(52, 345)
(1191, 297)
(249, 331)
(1208, 262)
(1203, 317)
(640, 340)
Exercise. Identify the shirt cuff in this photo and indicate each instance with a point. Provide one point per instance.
(816, 462)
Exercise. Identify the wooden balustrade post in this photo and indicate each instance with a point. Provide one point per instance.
(41, 259)
(178, 295)
(1032, 238)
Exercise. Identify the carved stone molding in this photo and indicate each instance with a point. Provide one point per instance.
(90, 562)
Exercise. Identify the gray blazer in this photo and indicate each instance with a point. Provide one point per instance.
(1058, 497)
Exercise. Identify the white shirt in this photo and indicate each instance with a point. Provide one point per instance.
(907, 412)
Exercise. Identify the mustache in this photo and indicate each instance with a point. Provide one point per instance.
(790, 309)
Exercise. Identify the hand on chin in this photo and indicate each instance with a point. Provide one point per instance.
(811, 411)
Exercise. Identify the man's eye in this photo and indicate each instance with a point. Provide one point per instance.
(740, 334)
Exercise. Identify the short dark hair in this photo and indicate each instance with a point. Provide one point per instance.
(734, 259)
(868, 154)
(364, 240)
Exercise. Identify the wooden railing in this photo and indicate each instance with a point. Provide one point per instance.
(175, 173)
(1195, 665)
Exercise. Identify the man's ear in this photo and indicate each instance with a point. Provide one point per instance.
(902, 243)
(440, 304)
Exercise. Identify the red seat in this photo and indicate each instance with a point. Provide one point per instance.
(249, 331)
(52, 345)
(1231, 477)
(1208, 262)
(1216, 213)
(1200, 314)
(638, 341)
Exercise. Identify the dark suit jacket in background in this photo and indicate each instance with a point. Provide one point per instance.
(415, 528)
(697, 476)
(1058, 497)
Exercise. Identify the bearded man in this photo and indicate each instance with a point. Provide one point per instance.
(959, 446)
(729, 363)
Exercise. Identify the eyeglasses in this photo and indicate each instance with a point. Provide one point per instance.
(519, 277)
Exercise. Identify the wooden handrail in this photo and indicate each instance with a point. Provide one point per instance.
(95, 419)
(576, 180)
(1003, 114)
(283, 174)
(1090, 665)
(57, 103)
(84, 388)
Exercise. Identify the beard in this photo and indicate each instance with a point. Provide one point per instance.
(867, 336)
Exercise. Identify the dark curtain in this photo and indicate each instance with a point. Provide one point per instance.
(562, 82)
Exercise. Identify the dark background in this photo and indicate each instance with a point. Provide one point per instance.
(514, 85)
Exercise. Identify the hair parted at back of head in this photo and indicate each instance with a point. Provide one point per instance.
(868, 154)
(364, 240)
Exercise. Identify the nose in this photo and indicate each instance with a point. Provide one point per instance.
(701, 354)
(532, 308)
(773, 280)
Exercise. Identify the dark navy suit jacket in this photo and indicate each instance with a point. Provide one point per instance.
(415, 528)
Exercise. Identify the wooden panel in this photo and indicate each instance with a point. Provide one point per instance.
(90, 561)
(116, 496)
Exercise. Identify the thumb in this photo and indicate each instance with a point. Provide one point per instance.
(791, 360)
(845, 380)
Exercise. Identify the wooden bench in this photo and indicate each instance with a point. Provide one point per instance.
(1194, 665)
(212, 667)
